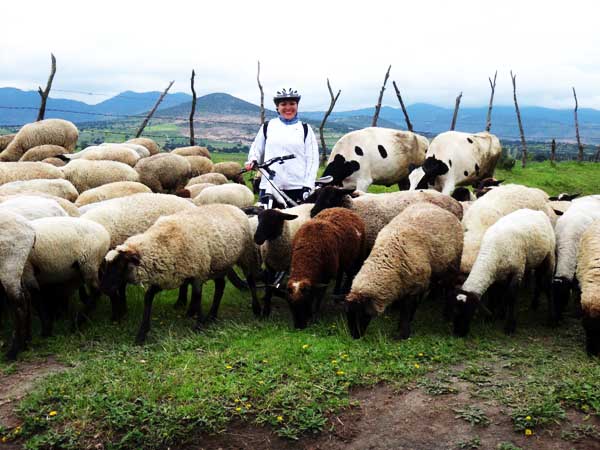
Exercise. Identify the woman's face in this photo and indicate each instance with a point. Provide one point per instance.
(287, 109)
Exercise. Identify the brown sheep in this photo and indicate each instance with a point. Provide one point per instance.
(5, 139)
(212, 177)
(326, 247)
(150, 145)
(200, 165)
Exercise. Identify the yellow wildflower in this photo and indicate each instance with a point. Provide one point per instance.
(417, 366)
(528, 432)
(334, 361)
(265, 361)
(261, 382)
(237, 400)
(528, 418)
(248, 405)
(305, 346)
(228, 367)
(279, 419)
(421, 354)
(52, 413)
(345, 356)
(340, 372)
(238, 409)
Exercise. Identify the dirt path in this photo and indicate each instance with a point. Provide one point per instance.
(414, 420)
(16, 384)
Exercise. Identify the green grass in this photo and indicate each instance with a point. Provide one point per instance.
(182, 383)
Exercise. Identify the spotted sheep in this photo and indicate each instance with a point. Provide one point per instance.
(457, 159)
(375, 156)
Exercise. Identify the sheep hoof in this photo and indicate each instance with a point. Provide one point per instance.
(140, 339)
(510, 327)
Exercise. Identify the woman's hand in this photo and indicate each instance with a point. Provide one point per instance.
(250, 165)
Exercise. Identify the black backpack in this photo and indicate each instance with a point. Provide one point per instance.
(266, 125)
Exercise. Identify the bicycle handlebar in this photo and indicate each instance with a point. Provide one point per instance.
(270, 162)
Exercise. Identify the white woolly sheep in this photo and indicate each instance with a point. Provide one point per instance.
(55, 162)
(212, 177)
(16, 278)
(375, 156)
(200, 165)
(194, 150)
(32, 207)
(126, 216)
(164, 173)
(516, 244)
(230, 194)
(68, 251)
(588, 274)
(488, 209)
(148, 143)
(110, 190)
(21, 171)
(57, 187)
(49, 131)
(231, 170)
(42, 152)
(192, 191)
(5, 139)
(86, 174)
(457, 159)
(569, 229)
(113, 152)
(172, 252)
(377, 210)
(421, 245)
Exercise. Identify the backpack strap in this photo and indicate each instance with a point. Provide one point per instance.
(265, 126)
(305, 128)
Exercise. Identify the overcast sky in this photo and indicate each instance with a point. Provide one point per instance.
(436, 49)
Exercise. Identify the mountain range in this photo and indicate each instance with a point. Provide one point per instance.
(18, 107)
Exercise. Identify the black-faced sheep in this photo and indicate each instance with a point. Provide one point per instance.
(516, 244)
(172, 252)
(421, 245)
(49, 131)
(375, 156)
(324, 248)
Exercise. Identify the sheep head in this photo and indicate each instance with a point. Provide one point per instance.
(340, 169)
(330, 197)
(115, 269)
(464, 306)
(359, 312)
(270, 225)
(301, 294)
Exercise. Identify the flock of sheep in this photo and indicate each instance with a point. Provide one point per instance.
(115, 214)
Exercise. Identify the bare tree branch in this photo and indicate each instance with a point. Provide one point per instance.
(151, 113)
(488, 121)
(579, 144)
(553, 151)
(523, 142)
(404, 111)
(322, 126)
(378, 106)
(262, 96)
(44, 94)
(597, 157)
(455, 115)
(193, 111)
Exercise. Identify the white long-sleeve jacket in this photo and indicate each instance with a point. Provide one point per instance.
(287, 139)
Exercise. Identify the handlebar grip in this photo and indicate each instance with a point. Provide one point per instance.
(288, 157)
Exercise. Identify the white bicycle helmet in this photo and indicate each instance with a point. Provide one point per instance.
(289, 94)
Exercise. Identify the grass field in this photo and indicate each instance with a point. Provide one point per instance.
(182, 384)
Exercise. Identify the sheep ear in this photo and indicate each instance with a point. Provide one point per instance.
(286, 216)
(132, 257)
(558, 212)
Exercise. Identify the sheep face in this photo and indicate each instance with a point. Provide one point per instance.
(465, 305)
(340, 169)
(561, 292)
(115, 270)
(270, 225)
(591, 325)
(329, 197)
(300, 299)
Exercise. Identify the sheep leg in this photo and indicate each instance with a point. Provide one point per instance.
(408, 307)
(256, 309)
(195, 307)
(338, 283)
(182, 296)
(118, 303)
(46, 317)
(318, 298)
(21, 326)
(214, 309)
(404, 184)
(511, 299)
(145, 325)
(266, 310)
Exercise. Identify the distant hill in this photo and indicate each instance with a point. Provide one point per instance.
(223, 110)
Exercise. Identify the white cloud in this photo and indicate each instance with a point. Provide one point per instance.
(436, 48)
